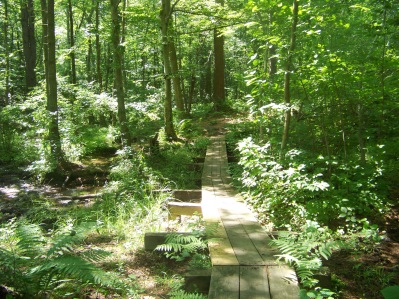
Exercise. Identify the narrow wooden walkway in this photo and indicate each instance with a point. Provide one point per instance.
(243, 262)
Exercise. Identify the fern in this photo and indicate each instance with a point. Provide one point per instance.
(69, 266)
(31, 239)
(306, 250)
(179, 246)
(29, 269)
(180, 294)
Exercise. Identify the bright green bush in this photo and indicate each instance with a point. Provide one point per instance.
(289, 192)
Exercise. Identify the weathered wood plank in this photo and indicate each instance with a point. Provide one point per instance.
(188, 195)
(243, 247)
(177, 209)
(283, 282)
(225, 282)
(261, 241)
(220, 249)
(254, 283)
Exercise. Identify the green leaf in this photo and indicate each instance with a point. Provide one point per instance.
(391, 292)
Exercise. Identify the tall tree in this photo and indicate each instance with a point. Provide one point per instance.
(117, 48)
(165, 16)
(287, 77)
(218, 75)
(98, 47)
(174, 66)
(48, 22)
(29, 42)
(71, 38)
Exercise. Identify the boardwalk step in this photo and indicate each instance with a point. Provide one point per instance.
(176, 209)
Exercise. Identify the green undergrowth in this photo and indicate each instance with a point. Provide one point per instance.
(324, 203)
(131, 203)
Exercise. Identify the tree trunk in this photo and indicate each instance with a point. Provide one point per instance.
(168, 115)
(51, 80)
(118, 72)
(88, 62)
(98, 48)
(218, 75)
(175, 73)
(7, 55)
(71, 43)
(29, 43)
(288, 69)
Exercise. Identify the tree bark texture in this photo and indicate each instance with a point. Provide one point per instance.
(29, 42)
(118, 72)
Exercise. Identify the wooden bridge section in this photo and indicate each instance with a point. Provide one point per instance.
(243, 262)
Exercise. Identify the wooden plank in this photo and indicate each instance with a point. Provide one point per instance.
(220, 249)
(183, 208)
(261, 241)
(283, 282)
(243, 247)
(254, 283)
(225, 282)
(188, 195)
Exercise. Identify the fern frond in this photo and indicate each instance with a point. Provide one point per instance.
(30, 239)
(180, 294)
(69, 266)
(95, 255)
(64, 242)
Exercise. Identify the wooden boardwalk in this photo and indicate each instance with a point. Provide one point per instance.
(243, 262)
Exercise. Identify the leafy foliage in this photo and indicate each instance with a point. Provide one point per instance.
(294, 190)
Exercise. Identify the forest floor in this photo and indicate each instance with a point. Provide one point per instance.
(355, 275)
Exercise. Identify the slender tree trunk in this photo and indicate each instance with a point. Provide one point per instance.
(108, 60)
(175, 72)
(218, 75)
(6, 54)
(88, 62)
(71, 43)
(51, 79)
(98, 48)
(287, 91)
(29, 42)
(123, 39)
(360, 130)
(118, 72)
(168, 115)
